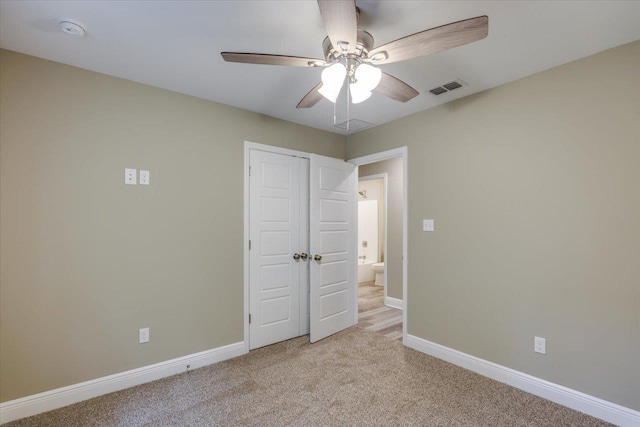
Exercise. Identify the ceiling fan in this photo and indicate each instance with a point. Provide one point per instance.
(349, 54)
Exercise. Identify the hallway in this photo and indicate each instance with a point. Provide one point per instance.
(374, 316)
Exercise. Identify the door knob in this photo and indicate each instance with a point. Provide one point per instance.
(296, 256)
(317, 257)
(304, 256)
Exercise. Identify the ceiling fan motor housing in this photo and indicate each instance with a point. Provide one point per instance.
(363, 45)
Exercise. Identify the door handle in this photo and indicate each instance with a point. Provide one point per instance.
(296, 256)
(304, 256)
(317, 257)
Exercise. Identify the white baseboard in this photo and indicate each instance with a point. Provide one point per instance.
(393, 302)
(573, 399)
(53, 399)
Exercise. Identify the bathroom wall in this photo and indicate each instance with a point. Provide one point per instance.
(375, 191)
(392, 259)
(367, 239)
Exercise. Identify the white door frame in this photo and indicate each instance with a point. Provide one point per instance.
(384, 177)
(376, 157)
(248, 146)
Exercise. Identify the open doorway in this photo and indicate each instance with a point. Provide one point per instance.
(381, 242)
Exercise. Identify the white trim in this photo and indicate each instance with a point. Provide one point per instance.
(385, 179)
(393, 302)
(57, 398)
(376, 157)
(565, 396)
(245, 235)
(248, 145)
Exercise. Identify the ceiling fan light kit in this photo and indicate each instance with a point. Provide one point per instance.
(349, 54)
(363, 78)
(366, 78)
(358, 93)
(332, 81)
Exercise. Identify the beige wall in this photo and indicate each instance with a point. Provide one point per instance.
(535, 189)
(85, 261)
(393, 260)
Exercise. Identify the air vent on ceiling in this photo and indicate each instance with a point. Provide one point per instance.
(438, 91)
(456, 84)
(452, 86)
(353, 125)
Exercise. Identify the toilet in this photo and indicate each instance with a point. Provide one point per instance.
(378, 270)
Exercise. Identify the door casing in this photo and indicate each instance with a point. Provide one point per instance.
(377, 157)
(372, 158)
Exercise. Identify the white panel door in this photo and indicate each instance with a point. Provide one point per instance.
(333, 186)
(275, 195)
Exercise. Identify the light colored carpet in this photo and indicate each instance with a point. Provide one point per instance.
(353, 378)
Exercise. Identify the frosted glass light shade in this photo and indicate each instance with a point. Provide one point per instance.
(332, 81)
(368, 76)
(359, 93)
(366, 80)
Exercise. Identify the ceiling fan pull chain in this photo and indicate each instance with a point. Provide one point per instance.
(348, 117)
(335, 122)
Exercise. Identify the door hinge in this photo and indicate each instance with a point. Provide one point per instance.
(249, 170)
(249, 244)
(249, 318)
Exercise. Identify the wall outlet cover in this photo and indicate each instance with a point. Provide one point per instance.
(130, 176)
(540, 345)
(144, 177)
(143, 336)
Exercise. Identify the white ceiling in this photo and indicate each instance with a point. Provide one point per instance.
(176, 45)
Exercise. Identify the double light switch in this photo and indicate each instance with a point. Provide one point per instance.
(428, 225)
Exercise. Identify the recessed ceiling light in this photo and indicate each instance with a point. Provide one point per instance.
(72, 27)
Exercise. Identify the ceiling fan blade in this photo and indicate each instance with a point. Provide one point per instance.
(431, 41)
(311, 98)
(341, 22)
(395, 88)
(266, 59)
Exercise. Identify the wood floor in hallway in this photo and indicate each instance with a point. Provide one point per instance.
(374, 316)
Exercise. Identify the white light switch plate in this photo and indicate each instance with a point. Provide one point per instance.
(540, 345)
(130, 176)
(144, 177)
(428, 225)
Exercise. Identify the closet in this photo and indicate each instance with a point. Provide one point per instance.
(302, 217)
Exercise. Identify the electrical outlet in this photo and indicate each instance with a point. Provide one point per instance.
(143, 335)
(130, 176)
(540, 345)
(144, 177)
